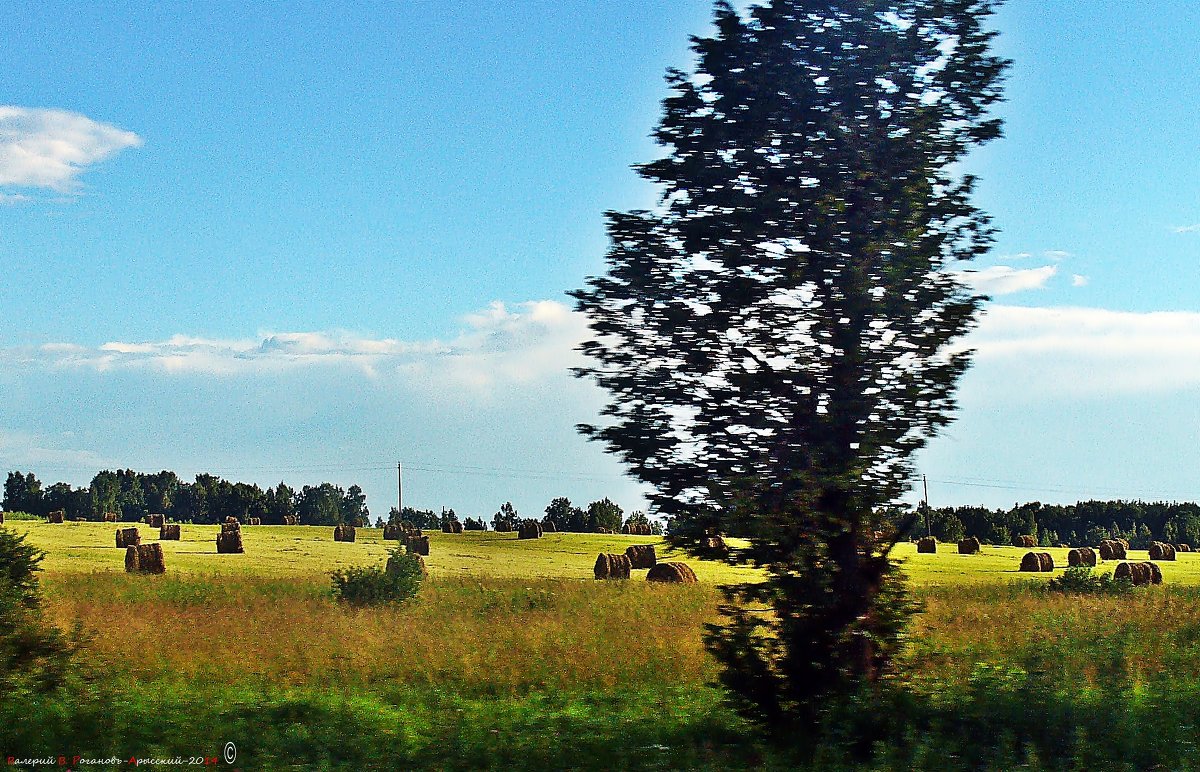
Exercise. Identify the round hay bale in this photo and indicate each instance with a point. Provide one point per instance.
(1140, 574)
(155, 520)
(229, 540)
(609, 566)
(1088, 555)
(128, 537)
(1046, 561)
(1024, 541)
(131, 558)
(169, 532)
(1156, 550)
(109, 517)
(1123, 542)
(968, 546)
(1181, 547)
(344, 533)
(602, 529)
(529, 529)
(150, 558)
(641, 556)
(1075, 558)
(549, 527)
(927, 544)
(419, 545)
(675, 573)
(57, 516)
(1032, 562)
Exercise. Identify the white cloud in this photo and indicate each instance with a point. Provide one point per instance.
(1078, 280)
(13, 198)
(1056, 254)
(1187, 228)
(1086, 351)
(1005, 280)
(500, 346)
(42, 148)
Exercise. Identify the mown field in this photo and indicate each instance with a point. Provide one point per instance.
(513, 657)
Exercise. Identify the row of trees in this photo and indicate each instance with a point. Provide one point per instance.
(561, 513)
(210, 499)
(1080, 524)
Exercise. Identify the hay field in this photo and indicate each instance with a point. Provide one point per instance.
(512, 656)
(309, 551)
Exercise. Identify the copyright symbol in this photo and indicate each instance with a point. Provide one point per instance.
(230, 753)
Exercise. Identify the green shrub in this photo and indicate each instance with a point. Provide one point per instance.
(33, 654)
(1081, 580)
(374, 585)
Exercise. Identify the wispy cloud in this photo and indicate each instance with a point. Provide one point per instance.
(1078, 280)
(42, 148)
(1005, 280)
(499, 345)
(1087, 350)
(1187, 228)
(1056, 254)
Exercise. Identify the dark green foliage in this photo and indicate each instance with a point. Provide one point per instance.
(506, 519)
(1085, 523)
(33, 655)
(1081, 580)
(375, 585)
(775, 336)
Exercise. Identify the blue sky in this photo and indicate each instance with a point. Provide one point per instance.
(304, 241)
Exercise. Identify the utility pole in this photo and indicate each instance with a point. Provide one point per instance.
(400, 490)
(925, 505)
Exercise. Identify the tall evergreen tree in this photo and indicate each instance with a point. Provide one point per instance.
(776, 337)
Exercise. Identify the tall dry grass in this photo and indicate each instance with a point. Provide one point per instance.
(495, 636)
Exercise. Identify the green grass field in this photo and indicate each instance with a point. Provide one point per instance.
(513, 657)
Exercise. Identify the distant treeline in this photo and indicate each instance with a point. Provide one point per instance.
(133, 495)
(602, 514)
(1080, 524)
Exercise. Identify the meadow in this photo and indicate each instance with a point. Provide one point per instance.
(512, 656)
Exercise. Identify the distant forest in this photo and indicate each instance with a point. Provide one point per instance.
(210, 499)
(133, 495)
(1080, 524)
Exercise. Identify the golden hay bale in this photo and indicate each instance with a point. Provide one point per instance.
(548, 526)
(1046, 561)
(1112, 549)
(109, 517)
(149, 559)
(1181, 547)
(155, 520)
(712, 542)
(391, 531)
(344, 533)
(131, 558)
(1031, 562)
(57, 516)
(968, 546)
(419, 544)
(229, 540)
(127, 537)
(1161, 551)
(609, 566)
(169, 532)
(291, 520)
(1139, 573)
(1024, 541)
(529, 529)
(927, 545)
(676, 573)
(1082, 556)
(602, 529)
(641, 556)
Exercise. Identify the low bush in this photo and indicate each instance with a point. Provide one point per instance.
(375, 585)
(1080, 580)
(33, 654)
